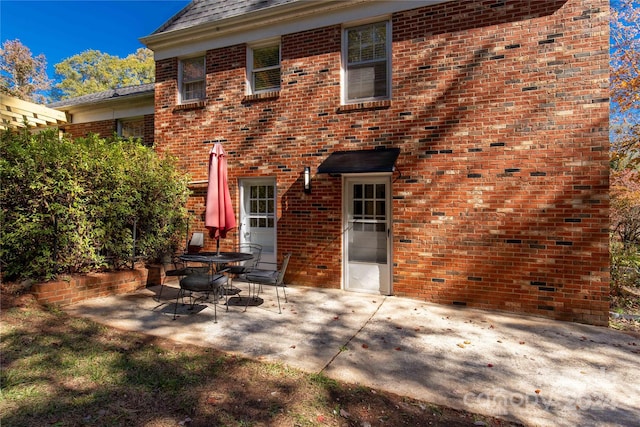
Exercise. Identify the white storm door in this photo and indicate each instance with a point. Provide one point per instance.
(258, 217)
(367, 243)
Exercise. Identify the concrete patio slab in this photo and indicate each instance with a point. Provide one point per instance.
(532, 370)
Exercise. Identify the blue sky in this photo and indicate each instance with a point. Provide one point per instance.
(60, 29)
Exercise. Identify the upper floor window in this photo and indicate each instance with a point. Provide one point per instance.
(192, 79)
(367, 65)
(263, 69)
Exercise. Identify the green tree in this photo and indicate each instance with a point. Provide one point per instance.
(625, 55)
(93, 71)
(21, 74)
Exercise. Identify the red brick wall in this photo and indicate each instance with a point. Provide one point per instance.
(149, 130)
(80, 288)
(500, 110)
(107, 128)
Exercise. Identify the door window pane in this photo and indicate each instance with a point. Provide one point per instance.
(357, 191)
(357, 208)
(368, 226)
(368, 209)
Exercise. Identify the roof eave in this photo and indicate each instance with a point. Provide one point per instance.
(244, 22)
(112, 100)
(128, 99)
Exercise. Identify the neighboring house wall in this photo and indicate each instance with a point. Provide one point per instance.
(500, 110)
(126, 111)
(149, 130)
(107, 128)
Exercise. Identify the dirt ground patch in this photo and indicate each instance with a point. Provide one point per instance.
(62, 371)
(625, 309)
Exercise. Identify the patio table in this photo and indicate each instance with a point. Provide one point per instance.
(217, 261)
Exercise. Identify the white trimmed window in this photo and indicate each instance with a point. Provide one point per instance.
(131, 128)
(192, 79)
(367, 65)
(263, 67)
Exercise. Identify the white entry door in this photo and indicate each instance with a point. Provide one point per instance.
(367, 242)
(258, 217)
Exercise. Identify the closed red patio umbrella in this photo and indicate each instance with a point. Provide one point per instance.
(219, 216)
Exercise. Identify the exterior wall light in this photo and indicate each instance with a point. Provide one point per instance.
(307, 179)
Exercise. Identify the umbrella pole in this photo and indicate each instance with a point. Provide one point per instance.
(218, 246)
(186, 240)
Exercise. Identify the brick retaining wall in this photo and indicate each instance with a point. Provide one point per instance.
(93, 285)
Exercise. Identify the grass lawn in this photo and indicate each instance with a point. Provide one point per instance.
(63, 371)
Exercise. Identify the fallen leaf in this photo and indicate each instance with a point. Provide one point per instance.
(491, 327)
(336, 317)
(521, 342)
(537, 391)
(320, 418)
(398, 349)
(460, 345)
(490, 365)
(344, 413)
(467, 342)
(365, 346)
(293, 346)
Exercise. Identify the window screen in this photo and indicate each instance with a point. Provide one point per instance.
(193, 79)
(265, 68)
(367, 65)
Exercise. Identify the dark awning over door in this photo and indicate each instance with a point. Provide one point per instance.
(360, 161)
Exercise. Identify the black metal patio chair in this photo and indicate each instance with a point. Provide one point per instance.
(275, 278)
(212, 286)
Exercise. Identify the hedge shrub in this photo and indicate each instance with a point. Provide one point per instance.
(71, 206)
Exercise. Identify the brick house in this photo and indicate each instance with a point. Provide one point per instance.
(127, 112)
(457, 151)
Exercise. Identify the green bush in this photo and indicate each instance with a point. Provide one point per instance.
(71, 206)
